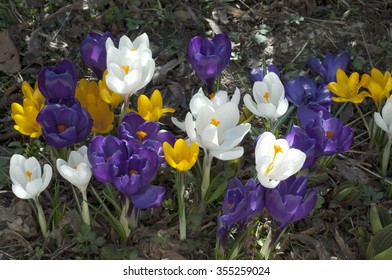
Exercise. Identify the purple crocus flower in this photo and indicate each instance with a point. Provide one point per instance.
(129, 167)
(58, 82)
(257, 74)
(327, 69)
(147, 134)
(302, 90)
(330, 136)
(288, 202)
(93, 52)
(209, 57)
(299, 139)
(64, 123)
(241, 203)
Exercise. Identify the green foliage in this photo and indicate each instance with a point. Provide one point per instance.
(88, 241)
(346, 193)
(370, 195)
(118, 252)
(380, 247)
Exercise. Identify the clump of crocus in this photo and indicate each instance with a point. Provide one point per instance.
(241, 203)
(328, 68)
(25, 115)
(151, 109)
(87, 92)
(275, 160)
(182, 157)
(217, 131)
(145, 134)
(269, 99)
(257, 74)
(303, 90)
(93, 52)
(28, 182)
(130, 168)
(64, 123)
(209, 57)
(77, 171)
(58, 82)
(130, 66)
(379, 86)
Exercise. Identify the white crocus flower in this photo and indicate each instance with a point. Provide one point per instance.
(27, 178)
(200, 100)
(28, 182)
(269, 98)
(130, 66)
(77, 171)
(275, 160)
(384, 120)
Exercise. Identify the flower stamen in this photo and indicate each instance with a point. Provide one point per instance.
(29, 174)
(215, 122)
(267, 96)
(140, 135)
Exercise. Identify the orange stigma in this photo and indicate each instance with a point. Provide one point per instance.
(330, 134)
(267, 96)
(125, 68)
(61, 128)
(212, 95)
(29, 174)
(140, 135)
(133, 172)
(215, 122)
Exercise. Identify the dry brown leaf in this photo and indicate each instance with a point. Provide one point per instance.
(9, 56)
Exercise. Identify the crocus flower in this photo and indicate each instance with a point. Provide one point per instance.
(130, 66)
(25, 115)
(143, 133)
(275, 160)
(151, 109)
(241, 203)
(27, 178)
(269, 98)
(328, 68)
(77, 170)
(215, 100)
(299, 139)
(288, 202)
(209, 57)
(338, 138)
(257, 74)
(347, 88)
(128, 167)
(302, 90)
(64, 123)
(217, 132)
(182, 156)
(59, 81)
(93, 52)
(28, 182)
(384, 120)
(379, 86)
(107, 95)
(87, 93)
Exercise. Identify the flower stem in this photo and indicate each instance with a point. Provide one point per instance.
(123, 217)
(205, 184)
(180, 187)
(133, 219)
(385, 157)
(41, 219)
(363, 119)
(124, 109)
(85, 209)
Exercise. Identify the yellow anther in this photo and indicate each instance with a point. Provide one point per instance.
(29, 174)
(133, 172)
(61, 128)
(215, 122)
(125, 68)
(267, 96)
(212, 95)
(140, 135)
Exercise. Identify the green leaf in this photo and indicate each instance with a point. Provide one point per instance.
(379, 217)
(380, 247)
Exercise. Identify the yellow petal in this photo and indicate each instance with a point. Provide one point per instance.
(341, 77)
(156, 99)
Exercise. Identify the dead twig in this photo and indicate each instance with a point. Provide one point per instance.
(7, 94)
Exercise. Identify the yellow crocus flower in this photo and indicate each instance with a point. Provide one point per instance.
(107, 95)
(87, 93)
(25, 115)
(102, 116)
(182, 156)
(151, 109)
(347, 88)
(379, 86)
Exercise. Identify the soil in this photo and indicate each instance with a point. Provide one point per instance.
(285, 33)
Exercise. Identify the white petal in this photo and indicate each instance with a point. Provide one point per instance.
(32, 165)
(210, 138)
(387, 113)
(198, 100)
(34, 188)
(47, 176)
(251, 105)
(141, 41)
(228, 115)
(234, 153)
(265, 146)
(190, 127)
(20, 192)
(277, 93)
(176, 122)
(259, 90)
(18, 175)
(267, 110)
(234, 136)
(17, 159)
(282, 107)
(380, 121)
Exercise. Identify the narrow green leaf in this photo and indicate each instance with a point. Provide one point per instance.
(381, 244)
